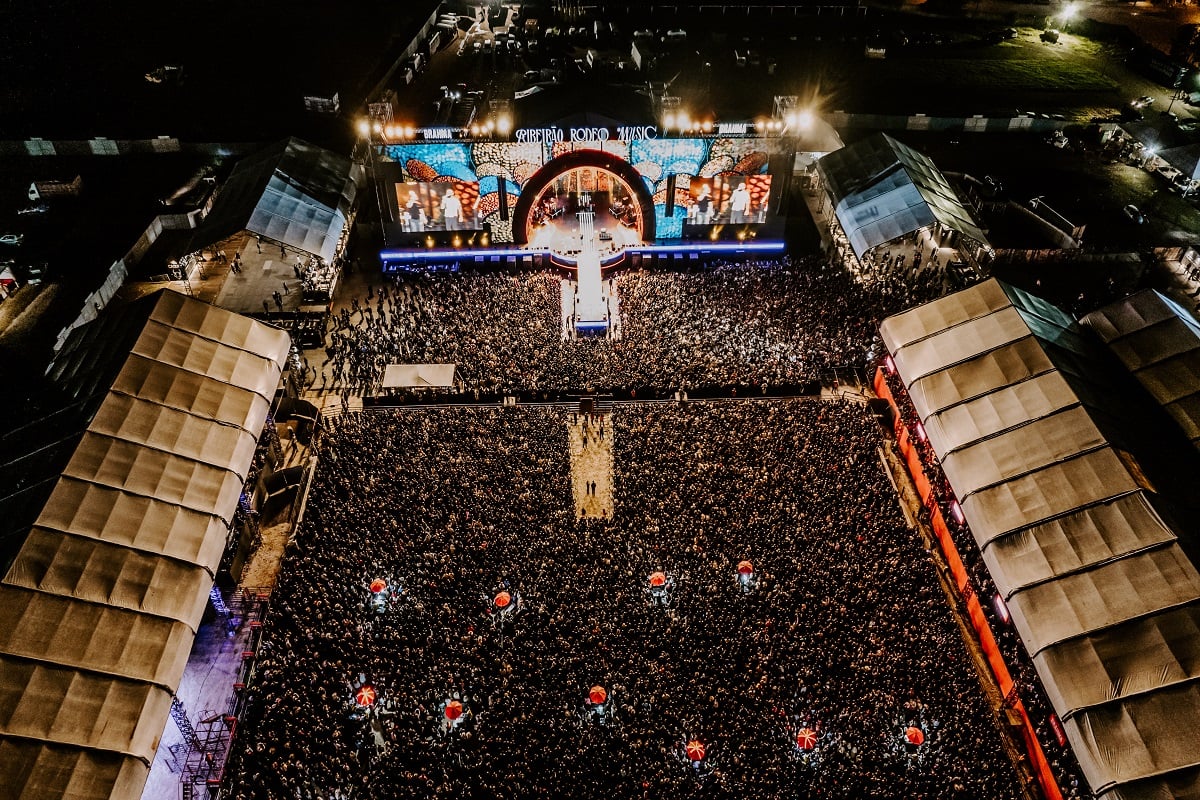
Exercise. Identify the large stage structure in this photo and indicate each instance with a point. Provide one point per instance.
(570, 196)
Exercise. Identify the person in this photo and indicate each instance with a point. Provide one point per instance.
(704, 206)
(739, 204)
(414, 214)
(452, 210)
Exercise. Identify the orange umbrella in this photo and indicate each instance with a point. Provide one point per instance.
(454, 710)
(365, 696)
(806, 739)
(378, 585)
(598, 695)
(503, 599)
(914, 735)
(695, 750)
(658, 579)
(745, 568)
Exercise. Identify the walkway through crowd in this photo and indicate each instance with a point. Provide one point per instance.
(590, 440)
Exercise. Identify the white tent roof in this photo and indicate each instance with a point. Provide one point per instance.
(882, 190)
(1101, 592)
(1159, 342)
(99, 610)
(418, 376)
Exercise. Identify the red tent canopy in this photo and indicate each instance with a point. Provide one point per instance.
(914, 735)
(503, 599)
(806, 739)
(454, 710)
(695, 750)
(745, 568)
(657, 579)
(365, 696)
(378, 585)
(598, 695)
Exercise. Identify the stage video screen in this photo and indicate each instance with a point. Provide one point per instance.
(717, 181)
(425, 207)
(727, 200)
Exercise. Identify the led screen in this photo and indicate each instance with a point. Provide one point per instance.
(475, 171)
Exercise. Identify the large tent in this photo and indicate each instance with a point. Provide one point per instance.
(1105, 599)
(1159, 342)
(100, 608)
(294, 193)
(882, 190)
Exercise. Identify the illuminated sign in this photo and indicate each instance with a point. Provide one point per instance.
(624, 133)
(437, 133)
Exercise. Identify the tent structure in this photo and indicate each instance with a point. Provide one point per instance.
(882, 190)
(418, 376)
(99, 610)
(294, 193)
(1105, 599)
(1159, 342)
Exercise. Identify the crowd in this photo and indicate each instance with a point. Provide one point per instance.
(844, 630)
(765, 323)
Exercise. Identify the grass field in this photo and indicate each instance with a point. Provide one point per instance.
(992, 74)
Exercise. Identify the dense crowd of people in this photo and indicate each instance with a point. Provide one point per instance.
(779, 322)
(842, 631)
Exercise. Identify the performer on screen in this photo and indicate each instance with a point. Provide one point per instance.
(452, 210)
(414, 214)
(739, 204)
(704, 206)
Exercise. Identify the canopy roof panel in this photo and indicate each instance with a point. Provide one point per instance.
(112, 575)
(1159, 342)
(1024, 411)
(99, 610)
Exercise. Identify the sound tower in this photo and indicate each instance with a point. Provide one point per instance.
(503, 200)
(671, 195)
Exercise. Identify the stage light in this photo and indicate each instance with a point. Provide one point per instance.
(377, 127)
(741, 236)
(457, 242)
(429, 241)
(707, 125)
(669, 119)
(408, 131)
(364, 128)
(804, 120)
(389, 131)
(504, 124)
(474, 130)
(489, 126)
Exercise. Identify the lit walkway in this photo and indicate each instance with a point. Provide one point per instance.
(590, 462)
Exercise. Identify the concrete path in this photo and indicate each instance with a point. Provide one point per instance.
(591, 462)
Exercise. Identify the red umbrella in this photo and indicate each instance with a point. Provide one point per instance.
(914, 735)
(745, 568)
(695, 750)
(657, 579)
(454, 710)
(806, 739)
(503, 599)
(365, 696)
(598, 695)
(378, 585)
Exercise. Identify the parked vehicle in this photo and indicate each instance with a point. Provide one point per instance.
(1134, 214)
(1142, 101)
